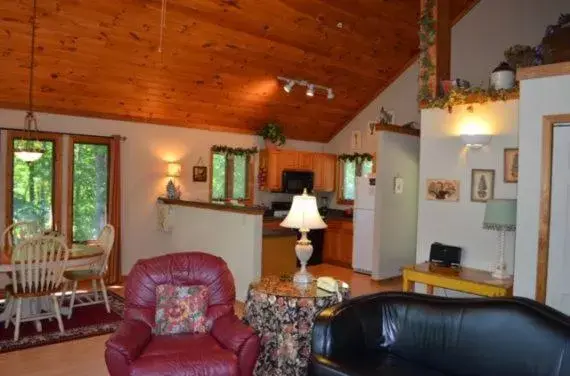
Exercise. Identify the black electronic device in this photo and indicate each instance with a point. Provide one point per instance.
(445, 255)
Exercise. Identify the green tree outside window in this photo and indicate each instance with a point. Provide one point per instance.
(221, 168)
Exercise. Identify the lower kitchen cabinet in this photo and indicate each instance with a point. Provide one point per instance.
(337, 249)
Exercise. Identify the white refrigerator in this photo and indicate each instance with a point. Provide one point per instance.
(363, 223)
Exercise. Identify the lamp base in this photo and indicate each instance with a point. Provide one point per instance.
(500, 269)
(304, 250)
(500, 272)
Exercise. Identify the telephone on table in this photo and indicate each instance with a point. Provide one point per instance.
(330, 284)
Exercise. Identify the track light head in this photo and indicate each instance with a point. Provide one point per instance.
(311, 90)
(330, 94)
(289, 86)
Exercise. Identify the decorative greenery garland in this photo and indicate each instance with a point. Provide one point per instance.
(222, 149)
(460, 96)
(358, 157)
(427, 40)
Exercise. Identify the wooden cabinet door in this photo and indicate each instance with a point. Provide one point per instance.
(287, 160)
(328, 172)
(306, 161)
(271, 164)
(318, 171)
(345, 246)
(330, 245)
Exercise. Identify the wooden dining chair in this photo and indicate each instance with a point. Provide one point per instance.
(37, 272)
(95, 273)
(18, 232)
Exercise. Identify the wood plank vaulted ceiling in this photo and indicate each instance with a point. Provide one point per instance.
(219, 63)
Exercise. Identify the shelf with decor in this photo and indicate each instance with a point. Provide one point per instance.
(394, 128)
(470, 96)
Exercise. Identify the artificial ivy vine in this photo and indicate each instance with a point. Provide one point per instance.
(358, 157)
(460, 96)
(427, 40)
(222, 149)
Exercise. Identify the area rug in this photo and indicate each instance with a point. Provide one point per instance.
(88, 321)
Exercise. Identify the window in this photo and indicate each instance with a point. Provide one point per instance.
(349, 170)
(89, 187)
(232, 177)
(33, 187)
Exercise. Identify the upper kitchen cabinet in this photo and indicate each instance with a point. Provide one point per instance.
(272, 163)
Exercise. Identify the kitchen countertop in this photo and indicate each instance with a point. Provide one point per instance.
(333, 214)
(278, 233)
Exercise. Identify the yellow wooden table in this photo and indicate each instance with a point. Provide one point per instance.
(468, 280)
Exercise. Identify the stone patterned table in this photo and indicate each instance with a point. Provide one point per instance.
(283, 314)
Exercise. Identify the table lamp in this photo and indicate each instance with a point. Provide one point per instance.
(501, 216)
(304, 215)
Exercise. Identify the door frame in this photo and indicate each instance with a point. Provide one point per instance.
(548, 124)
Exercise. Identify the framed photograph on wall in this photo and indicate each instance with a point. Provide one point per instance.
(442, 190)
(200, 174)
(511, 167)
(482, 185)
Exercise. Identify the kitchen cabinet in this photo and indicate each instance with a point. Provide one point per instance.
(337, 248)
(272, 163)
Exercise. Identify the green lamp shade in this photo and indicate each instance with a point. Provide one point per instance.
(500, 215)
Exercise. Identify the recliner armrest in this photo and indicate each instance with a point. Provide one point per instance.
(239, 338)
(130, 339)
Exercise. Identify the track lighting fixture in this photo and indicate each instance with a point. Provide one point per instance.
(289, 86)
(289, 83)
(311, 91)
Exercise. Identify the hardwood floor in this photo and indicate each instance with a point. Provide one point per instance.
(85, 357)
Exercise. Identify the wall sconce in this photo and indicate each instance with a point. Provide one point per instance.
(475, 141)
(173, 170)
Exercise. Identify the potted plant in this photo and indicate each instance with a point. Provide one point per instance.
(273, 135)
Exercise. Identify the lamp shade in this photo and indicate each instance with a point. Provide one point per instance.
(173, 170)
(500, 215)
(304, 214)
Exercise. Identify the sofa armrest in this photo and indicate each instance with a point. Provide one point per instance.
(129, 340)
(338, 333)
(239, 338)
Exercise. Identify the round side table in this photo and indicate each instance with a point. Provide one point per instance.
(282, 314)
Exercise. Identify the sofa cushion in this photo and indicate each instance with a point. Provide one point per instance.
(181, 309)
(378, 364)
(185, 355)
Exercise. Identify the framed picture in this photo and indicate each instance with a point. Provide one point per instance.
(511, 171)
(442, 190)
(482, 185)
(356, 140)
(200, 174)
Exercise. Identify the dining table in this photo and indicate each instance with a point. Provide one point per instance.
(80, 256)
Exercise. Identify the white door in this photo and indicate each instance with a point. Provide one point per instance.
(558, 283)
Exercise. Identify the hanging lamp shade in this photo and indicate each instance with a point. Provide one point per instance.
(29, 149)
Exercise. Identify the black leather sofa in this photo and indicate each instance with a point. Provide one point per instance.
(405, 334)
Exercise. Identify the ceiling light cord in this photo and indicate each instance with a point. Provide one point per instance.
(162, 24)
(32, 59)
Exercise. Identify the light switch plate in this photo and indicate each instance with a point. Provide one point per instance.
(398, 185)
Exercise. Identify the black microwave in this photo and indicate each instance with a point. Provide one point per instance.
(296, 181)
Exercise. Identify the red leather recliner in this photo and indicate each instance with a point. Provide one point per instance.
(230, 349)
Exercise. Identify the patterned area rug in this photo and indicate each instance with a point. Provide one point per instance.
(88, 321)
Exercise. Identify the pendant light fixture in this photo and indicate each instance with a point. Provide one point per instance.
(30, 149)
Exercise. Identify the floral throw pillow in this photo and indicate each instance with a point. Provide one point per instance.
(181, 309)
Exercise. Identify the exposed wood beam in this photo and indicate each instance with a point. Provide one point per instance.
(435, 62)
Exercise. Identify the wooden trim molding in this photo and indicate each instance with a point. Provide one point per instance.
(57, 172)
(548, 124)
(541, 71)
(397, 129)
(212, 206)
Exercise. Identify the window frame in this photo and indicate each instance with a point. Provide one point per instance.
(340, 181)
(57, 176)
(249, 186)
(91, 140)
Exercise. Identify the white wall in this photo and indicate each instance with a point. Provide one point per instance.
(539, 97)
(143, 175)
(396, 215)
(232, 236)
(443, 156)
(478, 43)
